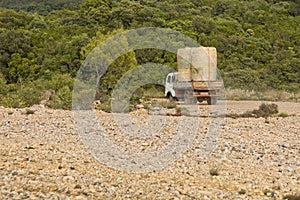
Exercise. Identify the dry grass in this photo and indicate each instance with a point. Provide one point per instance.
(270, 95)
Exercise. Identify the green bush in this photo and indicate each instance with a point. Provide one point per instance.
(20, 96)
(168, 104)
(106, 107)
(266, 110)
(283, 114)
(154, 91)
(28, 96)
(291, 197)
(62, 99)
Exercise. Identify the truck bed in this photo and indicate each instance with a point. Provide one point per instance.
(199, 85)
(207, 85)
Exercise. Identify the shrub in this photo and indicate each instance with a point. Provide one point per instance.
(106, 107)
(247, 114)
(154, 91)
(266, 110)
(62, 99)
(168, 104)
(28, 96)
(291, 197)
(20, 96)
(283, 114)
(178, 110)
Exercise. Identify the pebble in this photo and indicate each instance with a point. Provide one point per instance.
(43, 157)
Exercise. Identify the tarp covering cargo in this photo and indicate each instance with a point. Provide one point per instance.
(197, 64)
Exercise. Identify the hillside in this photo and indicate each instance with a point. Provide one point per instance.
(257, 42)
(40, 6)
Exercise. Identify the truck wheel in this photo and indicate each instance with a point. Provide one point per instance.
(171, 98)
(209, 101)
(212, 101)
(199, 100)
(189, 98)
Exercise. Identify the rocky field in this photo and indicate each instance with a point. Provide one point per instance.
(43, 156)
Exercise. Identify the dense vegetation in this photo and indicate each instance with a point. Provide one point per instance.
(44, 43)
(40, 6)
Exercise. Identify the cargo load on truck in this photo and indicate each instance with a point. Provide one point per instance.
(197, 64)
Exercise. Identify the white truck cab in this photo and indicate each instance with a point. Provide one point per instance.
(169, 86)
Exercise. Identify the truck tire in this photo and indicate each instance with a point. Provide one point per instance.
(212, 101)
(189, 98)
(200, 100)
(171, 98)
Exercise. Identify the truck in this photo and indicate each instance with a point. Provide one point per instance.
(197, 78)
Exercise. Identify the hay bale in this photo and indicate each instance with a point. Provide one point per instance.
(197, 64)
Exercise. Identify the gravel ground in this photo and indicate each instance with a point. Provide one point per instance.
(43, 157)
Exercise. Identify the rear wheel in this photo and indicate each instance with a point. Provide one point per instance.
(200, 100)
(189, 98)
(212, 101)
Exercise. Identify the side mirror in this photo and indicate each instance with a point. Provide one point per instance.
(163, 82)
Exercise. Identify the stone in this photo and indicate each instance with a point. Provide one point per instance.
(42, 156)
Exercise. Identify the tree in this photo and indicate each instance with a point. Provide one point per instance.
(117, 68)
